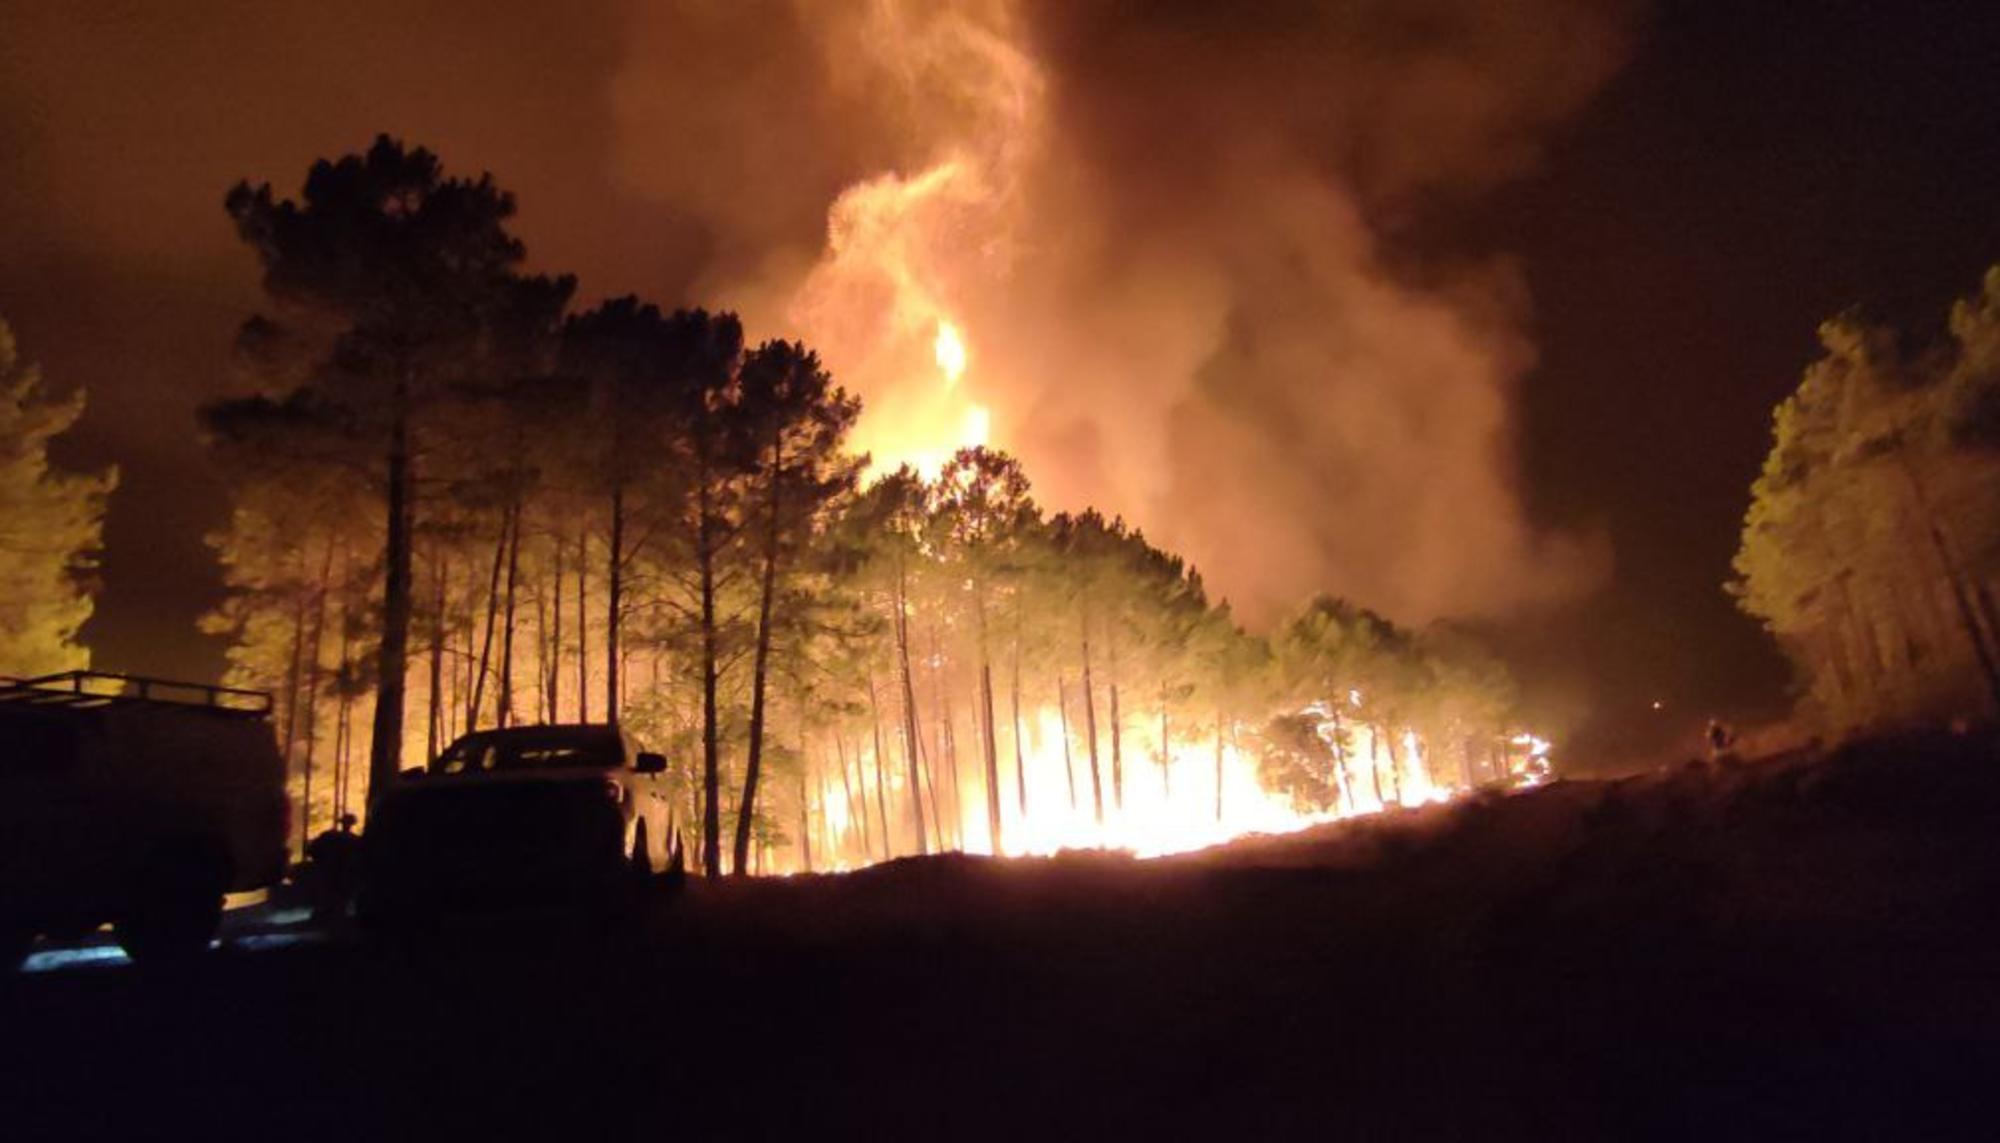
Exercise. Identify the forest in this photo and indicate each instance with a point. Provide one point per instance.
(462, 501)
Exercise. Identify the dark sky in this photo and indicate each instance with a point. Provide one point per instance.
(1751, 170)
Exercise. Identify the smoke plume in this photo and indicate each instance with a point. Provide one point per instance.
(1168, 236)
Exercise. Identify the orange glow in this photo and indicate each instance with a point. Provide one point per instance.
(1200, 796)
(949, 348)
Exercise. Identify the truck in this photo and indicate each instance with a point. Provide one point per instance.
(537, 816)
(136, 802)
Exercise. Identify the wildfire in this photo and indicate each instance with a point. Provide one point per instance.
(911, 254)
(902, 304)
(1203, 789)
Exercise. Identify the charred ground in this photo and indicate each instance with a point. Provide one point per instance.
(1747, 950)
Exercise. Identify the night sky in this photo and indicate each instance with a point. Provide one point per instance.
(1750, 170)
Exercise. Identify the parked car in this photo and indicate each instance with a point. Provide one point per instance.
(134, 801)
(520, 817)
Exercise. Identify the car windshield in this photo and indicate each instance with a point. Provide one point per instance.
(480, 753)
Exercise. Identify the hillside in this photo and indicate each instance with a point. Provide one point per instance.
(1743, 951)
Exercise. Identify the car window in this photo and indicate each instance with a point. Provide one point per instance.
(453, 760)
(539, 757)
(504, 752)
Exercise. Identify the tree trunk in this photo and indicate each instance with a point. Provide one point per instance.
(506, 712)
(987, 740)
(312, 693)
(1090, 721)
(711, 776)
(553, 668)
(448, 702)
(1218, 764)
(468, 677)
(540, 684)
(583, 624)
(434, 729)
(1989, 668)
(1117, 750)
(1379, 744)
(881, 777)
(492, 619)
(385, 747)
(292, 670)
(1062, 715)
(805, 822)
(615, 569)
(856, 812)
(343, 747)
(948, 747)
(766, 592)
(912, 744)
(1014, 703)
(1340, 758)
(1166, 750)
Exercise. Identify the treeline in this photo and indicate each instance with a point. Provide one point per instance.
(1873, 536)
(459, 502)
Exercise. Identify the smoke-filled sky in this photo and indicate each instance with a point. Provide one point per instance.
(1163, 233)
(1465, 308)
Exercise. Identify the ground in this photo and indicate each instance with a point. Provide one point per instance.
(1772, 949)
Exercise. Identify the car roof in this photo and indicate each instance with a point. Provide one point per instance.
(569, 734)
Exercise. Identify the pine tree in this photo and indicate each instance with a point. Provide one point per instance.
(393, 284)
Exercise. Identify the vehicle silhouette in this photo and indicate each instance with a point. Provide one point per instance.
(522, 817)
(136, 801)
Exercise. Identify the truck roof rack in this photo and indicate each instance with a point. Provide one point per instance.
(100, 689)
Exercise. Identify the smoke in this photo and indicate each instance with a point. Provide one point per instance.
(1172, 236)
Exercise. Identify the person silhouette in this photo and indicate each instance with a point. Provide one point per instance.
(1719, 738)
(333, 856)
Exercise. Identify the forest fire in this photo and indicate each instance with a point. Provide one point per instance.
(1202, 790)
(1151, 790)
(877, 301)
(999, 568)
(804, 568)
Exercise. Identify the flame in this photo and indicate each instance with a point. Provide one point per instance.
(1202, 790)
(1535, 769)
(914, 255)
(949, 349)
(914, 276)
(977, 428)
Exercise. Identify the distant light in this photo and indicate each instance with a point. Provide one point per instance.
(1658, 705)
